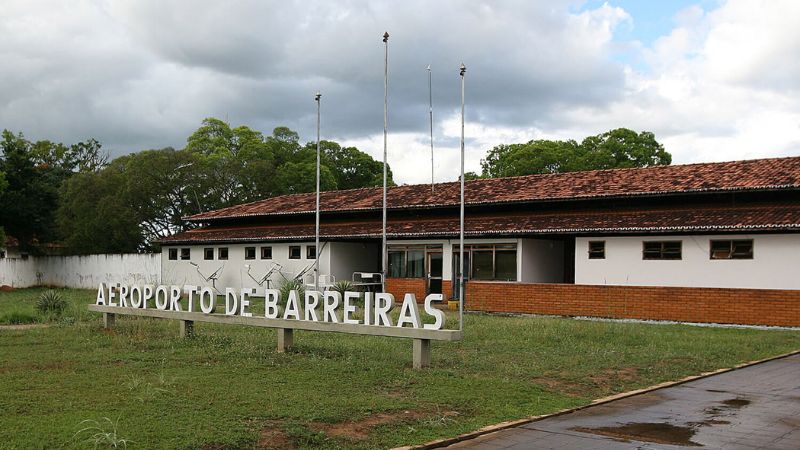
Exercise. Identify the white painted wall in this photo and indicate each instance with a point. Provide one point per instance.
(18, 273)
(344, 257)
(81, 271)
(541, 261)
(775, 263)
(233, 272)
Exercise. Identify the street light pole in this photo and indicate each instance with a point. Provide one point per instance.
(316, 230)
(430, 116)
(384, 253)
(461, 216)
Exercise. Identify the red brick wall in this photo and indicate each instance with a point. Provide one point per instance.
(713, 305)
(399, 287)
(417, 286)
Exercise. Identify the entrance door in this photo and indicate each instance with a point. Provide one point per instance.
(434, 264)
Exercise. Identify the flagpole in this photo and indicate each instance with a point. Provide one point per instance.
(384, 253)
(461, 217)
(430, 114)
(316, 231)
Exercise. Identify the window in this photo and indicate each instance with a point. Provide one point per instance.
(222, 253)
(208, 254)
(311, 252)
(266, 252)
(186, 254)
(488, 262)
(397, 264)
(173, 254)
(661, 250)
(597, 249)
(732, 249)
(2, 253)
(294, 252)
(408, 261)
(249, 253)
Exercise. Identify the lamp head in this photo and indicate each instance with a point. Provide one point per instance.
(317, 96)
(386, 37)
(463, 69)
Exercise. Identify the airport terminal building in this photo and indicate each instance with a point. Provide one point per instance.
(713, 242)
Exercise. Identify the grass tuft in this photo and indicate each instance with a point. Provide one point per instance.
(102, 434)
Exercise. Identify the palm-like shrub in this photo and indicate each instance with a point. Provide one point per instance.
(51, 303)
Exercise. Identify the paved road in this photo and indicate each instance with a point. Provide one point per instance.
(757, 407)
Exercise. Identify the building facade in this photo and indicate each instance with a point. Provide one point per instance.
(621, 242)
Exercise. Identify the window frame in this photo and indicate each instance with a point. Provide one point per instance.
(309, 249)
(593, 253)
(267, 248)
(404, 250)
(663, 253)
(223, 253)
(208, 254)
(469, 249)
(249, 253)
(299, 249)
(172, 254)
(731, 249)
(186, 254)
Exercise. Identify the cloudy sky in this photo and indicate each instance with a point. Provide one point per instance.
(715, 80)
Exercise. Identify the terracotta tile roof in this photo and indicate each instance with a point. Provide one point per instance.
(769, 217)
(763, 174)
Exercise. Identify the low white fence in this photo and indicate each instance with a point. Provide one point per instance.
(81, 271)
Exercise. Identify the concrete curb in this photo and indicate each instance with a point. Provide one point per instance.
(515, 423)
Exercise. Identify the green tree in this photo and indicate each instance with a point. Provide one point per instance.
(619, 148)
(238, 164)
(137, 198)
(3, 185)
(351, 167)
(94, 216)
(296, 177)
(28, 204)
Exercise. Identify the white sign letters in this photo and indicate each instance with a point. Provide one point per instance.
(314, 306)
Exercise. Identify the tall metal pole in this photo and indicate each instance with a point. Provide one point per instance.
(384, 253)
(461, 217)
(430, 114)
(316, 230)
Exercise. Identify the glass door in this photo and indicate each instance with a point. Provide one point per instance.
(434, 265)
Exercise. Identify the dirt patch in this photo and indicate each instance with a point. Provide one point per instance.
(606, 380)
(659, 433)
(6, 288)
(273, 437)
(360, 429)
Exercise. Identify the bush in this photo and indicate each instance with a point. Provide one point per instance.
(51, 303)
(292, 285)
(343, 286)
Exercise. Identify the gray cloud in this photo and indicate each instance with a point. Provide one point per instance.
(143, 74)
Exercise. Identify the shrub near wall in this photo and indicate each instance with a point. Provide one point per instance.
(711, 305)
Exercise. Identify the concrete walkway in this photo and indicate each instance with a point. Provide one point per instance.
(756, 407)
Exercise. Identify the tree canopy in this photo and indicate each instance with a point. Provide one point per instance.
(619, 148)
(33, 174)
(150, 192)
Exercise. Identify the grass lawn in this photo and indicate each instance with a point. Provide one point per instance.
(228, 388)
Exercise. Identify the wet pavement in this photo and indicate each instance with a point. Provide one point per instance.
(756, 407)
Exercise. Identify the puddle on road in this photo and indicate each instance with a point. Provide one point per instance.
(659, 433)
(725, 407)
(737, 402)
